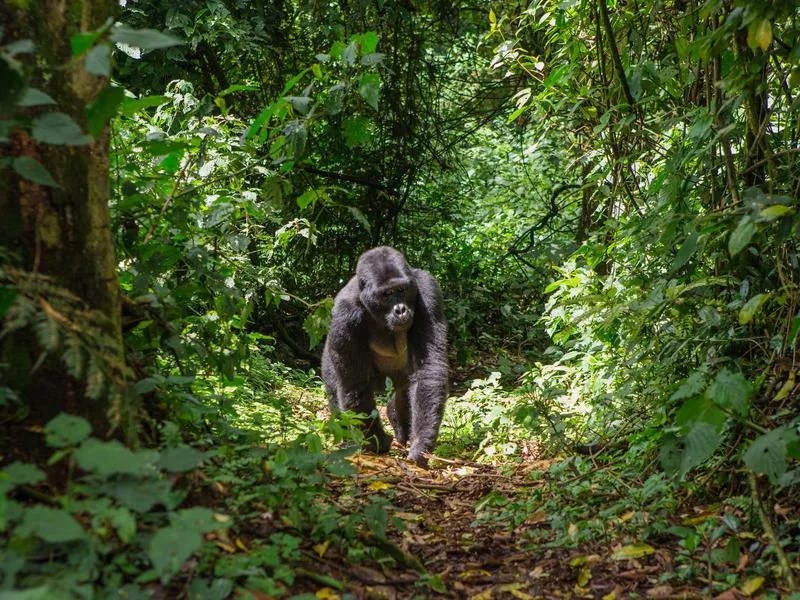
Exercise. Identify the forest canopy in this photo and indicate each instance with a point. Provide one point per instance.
(606, 192)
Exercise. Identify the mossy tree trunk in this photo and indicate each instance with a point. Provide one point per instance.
(64, 232)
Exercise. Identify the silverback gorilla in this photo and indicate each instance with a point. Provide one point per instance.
(388, 322)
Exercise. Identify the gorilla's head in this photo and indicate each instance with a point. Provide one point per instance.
(387, 288)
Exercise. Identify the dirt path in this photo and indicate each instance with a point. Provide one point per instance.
(441, 533)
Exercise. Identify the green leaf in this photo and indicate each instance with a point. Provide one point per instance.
(367, 43)
(697, 410)
(633, 551)
(360, 218)
(752, 308)
(356, 131)
(759, 34)
(32, 170)
(767, 453)
(692, 385)
(52, 525)
(34, 97)
(8, 295)
(170, 547)
(741, 236)
(369, 87)
(687, 250)
(103, 109)
(81, 42)
(146, 39)
(306, 198)
(42, 592)
(98, 61)
(58, 128)
(25, 46)
(66, 430)
(20, 473)
(124, 522)
(131, 106)
(199, 519)
(730, 391)
(111, 458)
(775, 211)
(180, 459)
(699, 444)
(137, 494)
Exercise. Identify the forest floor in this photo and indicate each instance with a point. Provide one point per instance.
(446, 546)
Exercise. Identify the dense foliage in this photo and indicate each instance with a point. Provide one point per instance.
(606, 191)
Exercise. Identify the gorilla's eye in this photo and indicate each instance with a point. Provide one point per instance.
(387, 293)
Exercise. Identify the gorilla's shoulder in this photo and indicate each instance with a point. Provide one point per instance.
(426, 282)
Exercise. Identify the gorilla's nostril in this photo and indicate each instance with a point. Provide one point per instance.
(400, 310)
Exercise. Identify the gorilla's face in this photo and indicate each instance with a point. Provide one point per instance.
(388, 289)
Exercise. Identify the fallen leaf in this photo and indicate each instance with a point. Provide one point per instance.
(752, 585)
(473, 573)
(536, 518)
(226, 547)
(584, 559)
(322, 548)
(407, 516)
(731, 594)
(537, 573)
(241, 545)
(584, 576)
(660, 591)
(701, 518)
(612, 595)
(632, 551)
(377, 486)
(572, 530)
(484, 595)
(327, 593)
(627, 516)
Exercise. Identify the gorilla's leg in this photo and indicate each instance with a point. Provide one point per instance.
(427, 394)
(398, 413)
(363, 401)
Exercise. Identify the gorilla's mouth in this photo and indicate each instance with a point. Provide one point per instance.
(400, 324)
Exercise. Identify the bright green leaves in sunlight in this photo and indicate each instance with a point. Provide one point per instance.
(759, 34)
(752, 308)
(730, 391)
(369, 87)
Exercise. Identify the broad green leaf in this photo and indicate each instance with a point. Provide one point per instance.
(370, 60)
(50, 524)
(32, 170)
(367, 43)
(104, 108)
(349, 54)
(58, 128)
(687, 250)
(146, 39)
(170, 547)
(369, 87)
(98, 61)
(37, 593)
(356, 131)
(34, 97)
(111, 458)
(139, 494)
(741, 236)
(306, 198)
(751, 308)
(692, 385)
(66, 430)
(775, 211)
(20, 473)
(180, 459)
(700, 443)
(299, 103)
(759, 34)
(699, 409)
(131, 106)
(199, 519)
(296, 135)
(730, 391)
(767, 453)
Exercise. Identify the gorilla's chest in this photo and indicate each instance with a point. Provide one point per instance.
(390, 354)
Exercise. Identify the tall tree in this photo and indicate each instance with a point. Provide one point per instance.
(57, 224)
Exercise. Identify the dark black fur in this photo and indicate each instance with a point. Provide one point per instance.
(388, 322)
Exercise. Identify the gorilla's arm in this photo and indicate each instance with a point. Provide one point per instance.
(428, 346)
(349, 356)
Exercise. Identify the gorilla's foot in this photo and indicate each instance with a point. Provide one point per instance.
(379, 443)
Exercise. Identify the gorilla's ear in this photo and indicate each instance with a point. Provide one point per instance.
(362, 283)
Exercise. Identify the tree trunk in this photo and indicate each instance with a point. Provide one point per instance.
(64, 232)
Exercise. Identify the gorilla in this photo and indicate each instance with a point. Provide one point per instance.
(388, 321)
